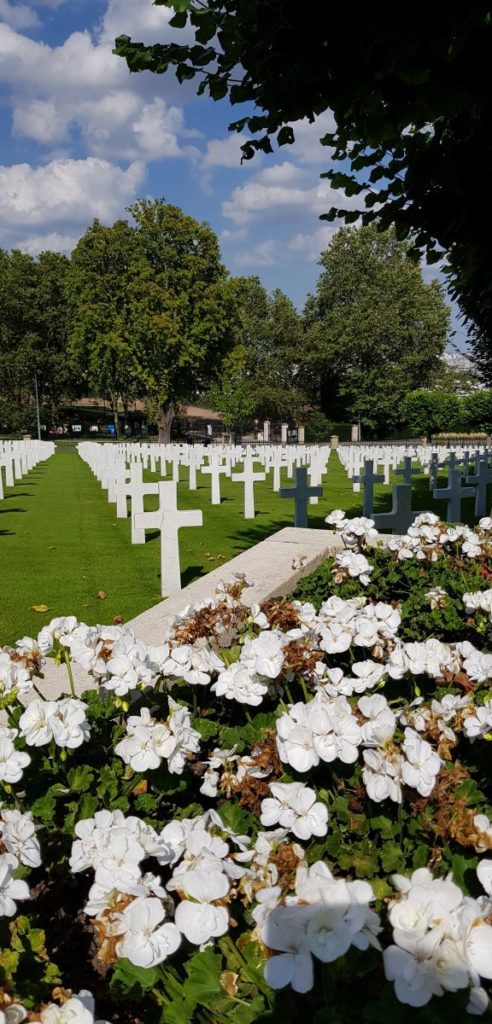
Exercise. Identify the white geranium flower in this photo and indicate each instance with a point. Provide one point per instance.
(479, 723)
(478, 1002)
(421, 765)
(69, 724)
(18, 833)
(483, 826)
(337, 518)
(293, 805)
(12, 761)
(381, 722)
(238, 683)
(11, 888)
(382, 776)
(264, 655)
(146, 941)
(368, 674)
(414, 979)
(36, 722)
(285, 931)
(78, 1009)
(484, 873)
(295, 739)
(198, 918)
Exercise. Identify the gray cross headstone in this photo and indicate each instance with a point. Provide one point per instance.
(301, 493)
(482, 477)
(407, 472)
(368, 478)
(454, 494)
(466, 463)
(401, 515)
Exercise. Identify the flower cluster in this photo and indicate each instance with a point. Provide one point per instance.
(243, 800)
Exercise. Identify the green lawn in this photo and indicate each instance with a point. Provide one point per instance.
(61, 544)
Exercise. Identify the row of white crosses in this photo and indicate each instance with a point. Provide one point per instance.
(120, 467)
(18, 457)
(360, 462)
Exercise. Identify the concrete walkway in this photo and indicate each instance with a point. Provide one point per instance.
(271, 568)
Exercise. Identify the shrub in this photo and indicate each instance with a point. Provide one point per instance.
(428, 412)
(271, 812)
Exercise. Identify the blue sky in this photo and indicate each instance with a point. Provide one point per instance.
(80, 137)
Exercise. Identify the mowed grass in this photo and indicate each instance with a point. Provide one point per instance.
(61, 544)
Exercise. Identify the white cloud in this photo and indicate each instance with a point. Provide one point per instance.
(224, 152)
(260, 200)
(52, 242)
(311, 245)
(307, 148)
(263, 254)
(18, 15)
(82, 83)
(63, 191)
(283, 174)
(141, 20)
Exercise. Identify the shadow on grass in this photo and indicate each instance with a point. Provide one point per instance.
(5, 511)
(194, 572)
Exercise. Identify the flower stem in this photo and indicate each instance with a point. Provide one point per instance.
(70, 673)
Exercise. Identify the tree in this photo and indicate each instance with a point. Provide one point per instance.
(433, 412)
(150, 311)
(102, 267)
(478, 411)
(260, 376)
(33, 337)
(375, 330)
(180, 308)
(411, 93)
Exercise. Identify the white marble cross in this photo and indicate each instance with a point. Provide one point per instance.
(214, 470)
(135, 489)
(248, 477)
(168, 519)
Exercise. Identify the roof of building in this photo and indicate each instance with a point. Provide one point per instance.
(187, 411)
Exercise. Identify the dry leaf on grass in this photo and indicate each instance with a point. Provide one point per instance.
(101, 595)
(39, 608)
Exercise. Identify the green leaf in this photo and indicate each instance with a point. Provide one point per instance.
(391, 857)
(80, 778)
(132, 980)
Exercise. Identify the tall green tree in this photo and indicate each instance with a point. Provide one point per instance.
(410, 87)
(180, 308)
(260, 377)
(150, 309)
(33, 338)
(101, 271)
(374, 329)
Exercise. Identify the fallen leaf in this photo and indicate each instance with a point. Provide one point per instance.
(39, 608)
(118, 620)
(51, 547)
(101, 596)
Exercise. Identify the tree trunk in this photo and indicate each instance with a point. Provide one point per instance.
(167, 414)
(114, 410)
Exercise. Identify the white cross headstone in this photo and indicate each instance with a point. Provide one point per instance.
(214, 470)
(168, 519)
(136, 489)
(248, 477)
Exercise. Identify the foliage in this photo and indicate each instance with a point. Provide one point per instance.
(101, 269)
(261, 378)
(478, 410)
(75, 771)
(432, 412)
(411, 111)
(151, 314)
(374, 329)
(33, 338)
(318, 428)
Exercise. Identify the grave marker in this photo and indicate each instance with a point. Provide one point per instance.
(168, 519)
(301, 494)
